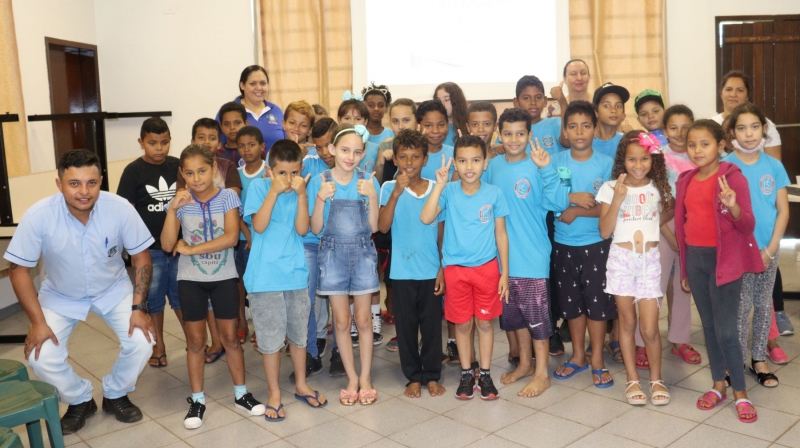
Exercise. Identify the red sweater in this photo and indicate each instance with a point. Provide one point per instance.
(737, 251)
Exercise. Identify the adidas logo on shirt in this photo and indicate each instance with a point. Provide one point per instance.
(162, 194)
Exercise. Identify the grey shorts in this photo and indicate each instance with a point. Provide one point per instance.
(278, 316)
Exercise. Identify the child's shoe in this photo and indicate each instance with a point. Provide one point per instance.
(466, 386)
(785, 326)
(486, 386)
(377, 337)
(250, 405)
(354, 332)
(337, 367)
(777, 356)
(452, 352)
(194, 418)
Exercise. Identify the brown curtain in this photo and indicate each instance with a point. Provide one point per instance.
(307, 50)
(16, 137)
(623, 42)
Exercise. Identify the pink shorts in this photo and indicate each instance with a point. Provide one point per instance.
(631, 274)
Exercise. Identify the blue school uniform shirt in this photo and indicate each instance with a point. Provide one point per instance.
(367, 164)
(313, 165)
(268, 122)
(530, 192)
(248, 179)
(377, 139)
(277, 258)
(587, 177)
(452, 134)
(349, 191)
(415, 248)
(547, 130)
(434, 162)
(469, 224)
(607, 147)
(765, 178)
(82, 265)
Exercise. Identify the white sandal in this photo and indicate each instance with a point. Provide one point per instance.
(630, 395)
(663, 395)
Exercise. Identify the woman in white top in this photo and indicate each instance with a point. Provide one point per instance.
(735, 90)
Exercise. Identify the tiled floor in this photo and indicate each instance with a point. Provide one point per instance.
(571, 413)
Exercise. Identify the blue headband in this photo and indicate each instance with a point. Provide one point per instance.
(347, 95)
(359, 129)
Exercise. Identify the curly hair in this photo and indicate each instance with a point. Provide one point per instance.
(658, 169)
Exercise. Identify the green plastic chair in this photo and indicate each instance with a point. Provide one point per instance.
(12, 370)
(27, 402)
(9, 439)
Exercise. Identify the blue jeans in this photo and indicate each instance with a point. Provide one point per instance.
(164, 283)
(53, 367)
(313, 275)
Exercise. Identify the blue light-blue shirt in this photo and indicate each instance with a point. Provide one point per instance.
(469, 224)
(313, 165)
(367, 164)
(277, 259)
(378, 138)
(530, 192)
(269, 123)
(765, 178)
(450, 138)
(82, 264)
(415, 247)
(349, 191)
(434, 162)
(587, 177)
(548, 130)
(607, 147)
(247, 179)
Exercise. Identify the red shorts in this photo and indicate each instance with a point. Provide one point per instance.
(472, 291)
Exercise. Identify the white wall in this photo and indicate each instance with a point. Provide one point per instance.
(72, 20)
(691, 49)
(178, 55)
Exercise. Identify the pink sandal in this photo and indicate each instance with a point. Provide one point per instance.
(641, 359)
(348, 398)
(367, 397)
(744, 407)
(712, 398)
(686, 352)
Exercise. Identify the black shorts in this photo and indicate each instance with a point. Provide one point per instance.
(194, 298)
(580, 276)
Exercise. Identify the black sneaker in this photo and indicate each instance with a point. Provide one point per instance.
(315, 366)
(321, 344)
(337, 367)
(466, 387)
(563, 330)
(123, 409)
(354, 332)
(377, 322)
(486, 386)
(556, 345)
(194, 418)
(76, 416)
(452, 352)
(250, 405)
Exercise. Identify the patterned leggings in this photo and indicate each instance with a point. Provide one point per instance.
(757, 293)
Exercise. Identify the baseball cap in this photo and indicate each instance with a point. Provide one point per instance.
(607, 88)
(647, 95)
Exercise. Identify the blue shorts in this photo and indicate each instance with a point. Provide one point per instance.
(347, 267)
(240, 257)
(164, 283)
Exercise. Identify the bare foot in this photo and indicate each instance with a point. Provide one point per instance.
(435, 389)
(274, 403)
(413, 390)
(604, 378)
(514, 375)
(535, 387)
(565, 370)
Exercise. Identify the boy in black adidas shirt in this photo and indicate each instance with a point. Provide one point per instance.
(149, 183)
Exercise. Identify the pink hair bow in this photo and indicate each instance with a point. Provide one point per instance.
(649, 142)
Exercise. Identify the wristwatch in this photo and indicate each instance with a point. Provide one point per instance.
(141, 307)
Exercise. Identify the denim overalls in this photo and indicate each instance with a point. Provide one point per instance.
(347, 257)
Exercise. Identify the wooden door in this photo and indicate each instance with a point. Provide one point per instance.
(74, 88)
(767, 48)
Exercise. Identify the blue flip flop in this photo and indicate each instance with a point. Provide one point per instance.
(214, 356)
(599, 373)
(305, 398)
(277, 413)
(575, 369)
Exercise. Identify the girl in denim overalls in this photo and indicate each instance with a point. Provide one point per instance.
(340, 214)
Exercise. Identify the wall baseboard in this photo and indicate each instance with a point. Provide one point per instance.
(9, 310)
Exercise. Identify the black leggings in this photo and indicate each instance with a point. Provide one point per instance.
(777, 292)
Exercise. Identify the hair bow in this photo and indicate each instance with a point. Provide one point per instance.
(361, 131)
(348, 95)
(649, 142)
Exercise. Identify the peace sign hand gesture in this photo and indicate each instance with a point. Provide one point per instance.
(539, 156)
(727, 196)
(443, 173)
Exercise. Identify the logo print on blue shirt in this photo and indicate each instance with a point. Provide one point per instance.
(767, 184)
(548, 141)
(522, 188)
(271, 119)
(597, 184)
(485, 213)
